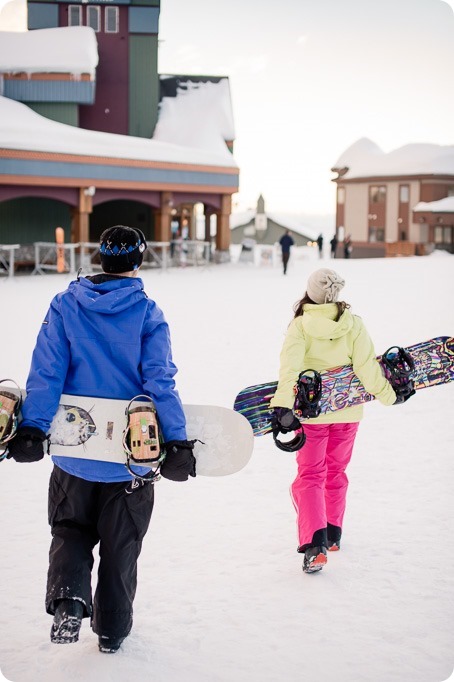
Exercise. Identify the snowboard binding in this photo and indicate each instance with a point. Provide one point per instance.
(308, 392)
(142, 440)
(289, 445)
(10, 405)
(401, 367)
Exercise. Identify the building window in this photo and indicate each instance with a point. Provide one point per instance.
(443, 234)
(94, 17)
(341, 195)
(111, 20)
(404, 194)
(377, 194)
(74, 15)
(376, 234)
(450, 191)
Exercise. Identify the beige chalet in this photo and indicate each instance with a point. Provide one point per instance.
(380, 197)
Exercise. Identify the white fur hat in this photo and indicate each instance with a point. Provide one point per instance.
(324, 285)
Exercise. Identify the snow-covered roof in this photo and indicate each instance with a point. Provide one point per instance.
(23, 129)
(445, 205)
(199, 116)
(241, 218)
(365, 159)
(291, 222)
(68, 49)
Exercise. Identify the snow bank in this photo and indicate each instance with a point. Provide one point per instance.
(70, 49)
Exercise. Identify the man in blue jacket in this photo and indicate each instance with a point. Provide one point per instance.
(286, 242)
(102, 337)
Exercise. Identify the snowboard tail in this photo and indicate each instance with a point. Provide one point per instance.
(341, 388)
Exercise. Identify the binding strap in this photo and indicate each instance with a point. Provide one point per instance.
(308, 392)
(142, 440)
(401, 367)
(10, 404)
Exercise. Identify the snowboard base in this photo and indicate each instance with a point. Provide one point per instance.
(92, 428)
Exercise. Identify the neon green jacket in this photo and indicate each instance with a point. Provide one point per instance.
(315, 341)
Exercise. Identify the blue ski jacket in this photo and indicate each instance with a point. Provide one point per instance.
(103, 337)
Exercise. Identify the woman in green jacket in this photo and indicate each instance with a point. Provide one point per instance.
(322, 335)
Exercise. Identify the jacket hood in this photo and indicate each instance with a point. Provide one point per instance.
(109, 297)
(319, 321)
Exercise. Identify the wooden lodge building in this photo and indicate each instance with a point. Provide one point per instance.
(398, 203)
(92, 135)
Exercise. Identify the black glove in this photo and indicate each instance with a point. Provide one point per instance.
(27, 445)
(179, 462)
(284, 419)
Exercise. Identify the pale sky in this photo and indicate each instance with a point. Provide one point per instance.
(309, 78)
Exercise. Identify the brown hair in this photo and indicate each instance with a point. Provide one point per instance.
(298, 308)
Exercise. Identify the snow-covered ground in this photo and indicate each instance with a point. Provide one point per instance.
(221, 595)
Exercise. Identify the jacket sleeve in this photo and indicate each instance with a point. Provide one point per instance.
(50, 361)
(291, 364)
(158, 371)
(368, 370)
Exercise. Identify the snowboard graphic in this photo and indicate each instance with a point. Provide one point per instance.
(92, 428)
(434, 364)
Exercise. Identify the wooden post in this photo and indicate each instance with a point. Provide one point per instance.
(207, 224)
(163, 217)
(223, 223)
(80, 228)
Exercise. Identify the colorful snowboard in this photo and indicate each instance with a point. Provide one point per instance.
(434, 364)
(92, 428)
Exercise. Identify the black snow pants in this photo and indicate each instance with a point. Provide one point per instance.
(81, 514)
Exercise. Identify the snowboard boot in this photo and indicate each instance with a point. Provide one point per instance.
(314, 559)
(334, 536)
(109, 645)
(67, 621)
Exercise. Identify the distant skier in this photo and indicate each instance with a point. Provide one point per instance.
(333, 243)
(348, 248)
(102, 337)
(322, 335)
(320, 245)
(286, 242)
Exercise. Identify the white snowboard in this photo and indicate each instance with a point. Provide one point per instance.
(92, 428)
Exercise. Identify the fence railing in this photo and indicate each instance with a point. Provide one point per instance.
(7, 258)
(43, 256)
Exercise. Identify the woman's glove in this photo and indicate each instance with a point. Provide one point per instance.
(27, 445)
(284, 419)
(179, 462)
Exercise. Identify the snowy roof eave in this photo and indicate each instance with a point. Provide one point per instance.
(23, 129)
(364, 159)
(66, 49)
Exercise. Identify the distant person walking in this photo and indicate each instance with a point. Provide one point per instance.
(320, 245)
(333, 243)
(348, 248)
(286, 242)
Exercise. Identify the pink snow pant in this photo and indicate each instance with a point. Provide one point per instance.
(320, 489)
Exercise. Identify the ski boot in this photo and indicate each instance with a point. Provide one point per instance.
(314, 559)
(109, 645)
(67, 621)
(334, 537)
